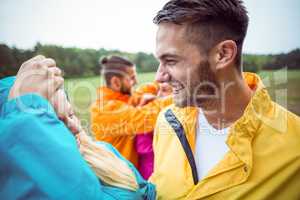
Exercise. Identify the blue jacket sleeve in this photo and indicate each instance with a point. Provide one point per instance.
(39, 158)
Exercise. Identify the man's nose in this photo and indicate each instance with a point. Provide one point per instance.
(133, 81)
(162, 75)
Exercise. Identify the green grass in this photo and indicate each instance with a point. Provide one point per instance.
(82, 91)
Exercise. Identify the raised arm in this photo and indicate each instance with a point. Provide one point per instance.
(39, 155)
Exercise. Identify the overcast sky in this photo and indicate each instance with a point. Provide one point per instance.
(127, 24)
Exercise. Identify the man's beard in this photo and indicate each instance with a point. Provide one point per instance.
(126, 90)
(199, 87)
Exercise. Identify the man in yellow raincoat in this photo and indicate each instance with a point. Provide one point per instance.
(224, 138)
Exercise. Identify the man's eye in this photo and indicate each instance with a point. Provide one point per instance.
(171, 62)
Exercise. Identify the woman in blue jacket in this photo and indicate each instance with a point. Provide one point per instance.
(39, 157)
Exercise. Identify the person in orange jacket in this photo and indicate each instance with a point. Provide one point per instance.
(119, 114)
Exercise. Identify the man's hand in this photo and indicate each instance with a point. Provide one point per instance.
(146, 98)
(38, 75)
(165, 89)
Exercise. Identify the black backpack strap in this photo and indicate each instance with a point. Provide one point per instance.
(178, 128)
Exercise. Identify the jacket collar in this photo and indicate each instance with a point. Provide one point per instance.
(104, 93)
(245, 128)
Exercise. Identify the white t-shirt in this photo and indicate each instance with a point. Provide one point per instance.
(210, 146)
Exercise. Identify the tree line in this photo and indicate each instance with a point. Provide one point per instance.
(77, 62)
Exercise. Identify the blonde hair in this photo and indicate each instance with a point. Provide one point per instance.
(106, 165)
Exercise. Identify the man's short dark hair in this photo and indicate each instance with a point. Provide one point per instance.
(114, 66)
(215, 20)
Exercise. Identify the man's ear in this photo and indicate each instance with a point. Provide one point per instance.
(115, 83)
(224, 54)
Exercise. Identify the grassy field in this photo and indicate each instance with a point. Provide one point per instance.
(284, 88)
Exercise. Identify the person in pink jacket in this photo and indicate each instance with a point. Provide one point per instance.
(143, 142)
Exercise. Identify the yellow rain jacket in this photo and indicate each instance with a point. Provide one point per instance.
(116, 119)
(263, 161)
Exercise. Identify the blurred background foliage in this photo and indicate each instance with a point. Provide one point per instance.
(77, 62)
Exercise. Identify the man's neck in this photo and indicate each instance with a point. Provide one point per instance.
(234, 96)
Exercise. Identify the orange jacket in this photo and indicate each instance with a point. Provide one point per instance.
(115, 119)
(149, 88)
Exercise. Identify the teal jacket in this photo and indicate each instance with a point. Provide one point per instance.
(39, 158)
